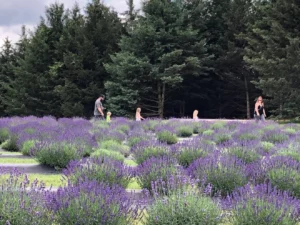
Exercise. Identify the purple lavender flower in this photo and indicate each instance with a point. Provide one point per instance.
(103, 170)
(223, 172)
(262, 204)
(90, 202)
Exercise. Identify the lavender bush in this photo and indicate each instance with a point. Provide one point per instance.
(104, 153)
(156, 168)
(184, 130)
(188, 152)
(22, 202)
(147, 149)
(223, 172)
(92, 203)
(244, 150)
(115, 146)
(275, 136)
(187, 208)
(262, 205)
(103, 170)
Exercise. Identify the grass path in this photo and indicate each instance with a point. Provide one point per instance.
(12, 160)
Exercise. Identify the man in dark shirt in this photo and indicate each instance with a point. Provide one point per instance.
(98, 110)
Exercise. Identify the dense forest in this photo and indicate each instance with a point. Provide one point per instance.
(169, 58)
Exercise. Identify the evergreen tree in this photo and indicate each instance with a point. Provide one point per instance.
(273, 50)
(7, 61)
(167, 50)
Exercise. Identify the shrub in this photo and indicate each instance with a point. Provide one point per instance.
(100, 153)
(22, 203)
(89, 202)
(262, 205)
(247, 136)
(116, 146)
(221, 137)
(223, 172)
(56, 155)
(244, 151)
(123, 128)
(27, 146)
(267, 146)
(218, 125)
(208, 132)
(148, 149)
(154, 169)
(275, 136)
(11, 144)
(188, 152)
(184, 131)
(167, 137)
(103, 170)
(286, 179)
(172, 184)
(4, 134)
(184, 208)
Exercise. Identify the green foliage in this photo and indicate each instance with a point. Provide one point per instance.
(4, 135)
(57, 155)
(116, 146)
(267, 146)
(245, 154)
(263, 212)
(184, 131)
(150, 151)
(221, 137)
(100, 153)
(143, 70)
(11, 144)
(188, 155)
(167, 137)
(286, 179)
(27, 146)
(273, 50)
(189, 209)
(208, 132)
(20, 203)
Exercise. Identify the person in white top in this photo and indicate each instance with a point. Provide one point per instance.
(138, 116)
(195, 115)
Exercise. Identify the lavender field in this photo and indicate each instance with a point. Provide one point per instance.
(162, 172)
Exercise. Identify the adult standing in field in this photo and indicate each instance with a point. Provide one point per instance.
(195, 115)
(138, 116)
(98, 111)
(259, 110)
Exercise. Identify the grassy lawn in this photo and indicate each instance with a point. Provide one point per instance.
(130, 162)
(17, 161)
(133, 185)
(48, 179)
(3, 152)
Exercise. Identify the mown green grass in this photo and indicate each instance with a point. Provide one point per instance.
(55, 180)
(130, 162)
(18, 161)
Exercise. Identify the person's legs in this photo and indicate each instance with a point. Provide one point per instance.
(257, 118)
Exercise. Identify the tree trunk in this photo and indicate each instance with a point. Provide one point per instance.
(161, 90)
(247, 97)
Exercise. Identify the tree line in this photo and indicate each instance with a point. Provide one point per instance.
(169, 58)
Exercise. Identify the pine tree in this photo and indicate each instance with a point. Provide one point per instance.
(273, 51)
(157, 55)
(7, 61)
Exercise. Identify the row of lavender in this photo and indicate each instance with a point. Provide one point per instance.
(239, 165)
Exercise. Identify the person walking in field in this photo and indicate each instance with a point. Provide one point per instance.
(195, 115)
(259, 110)
(98, 110)
(138, 116)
